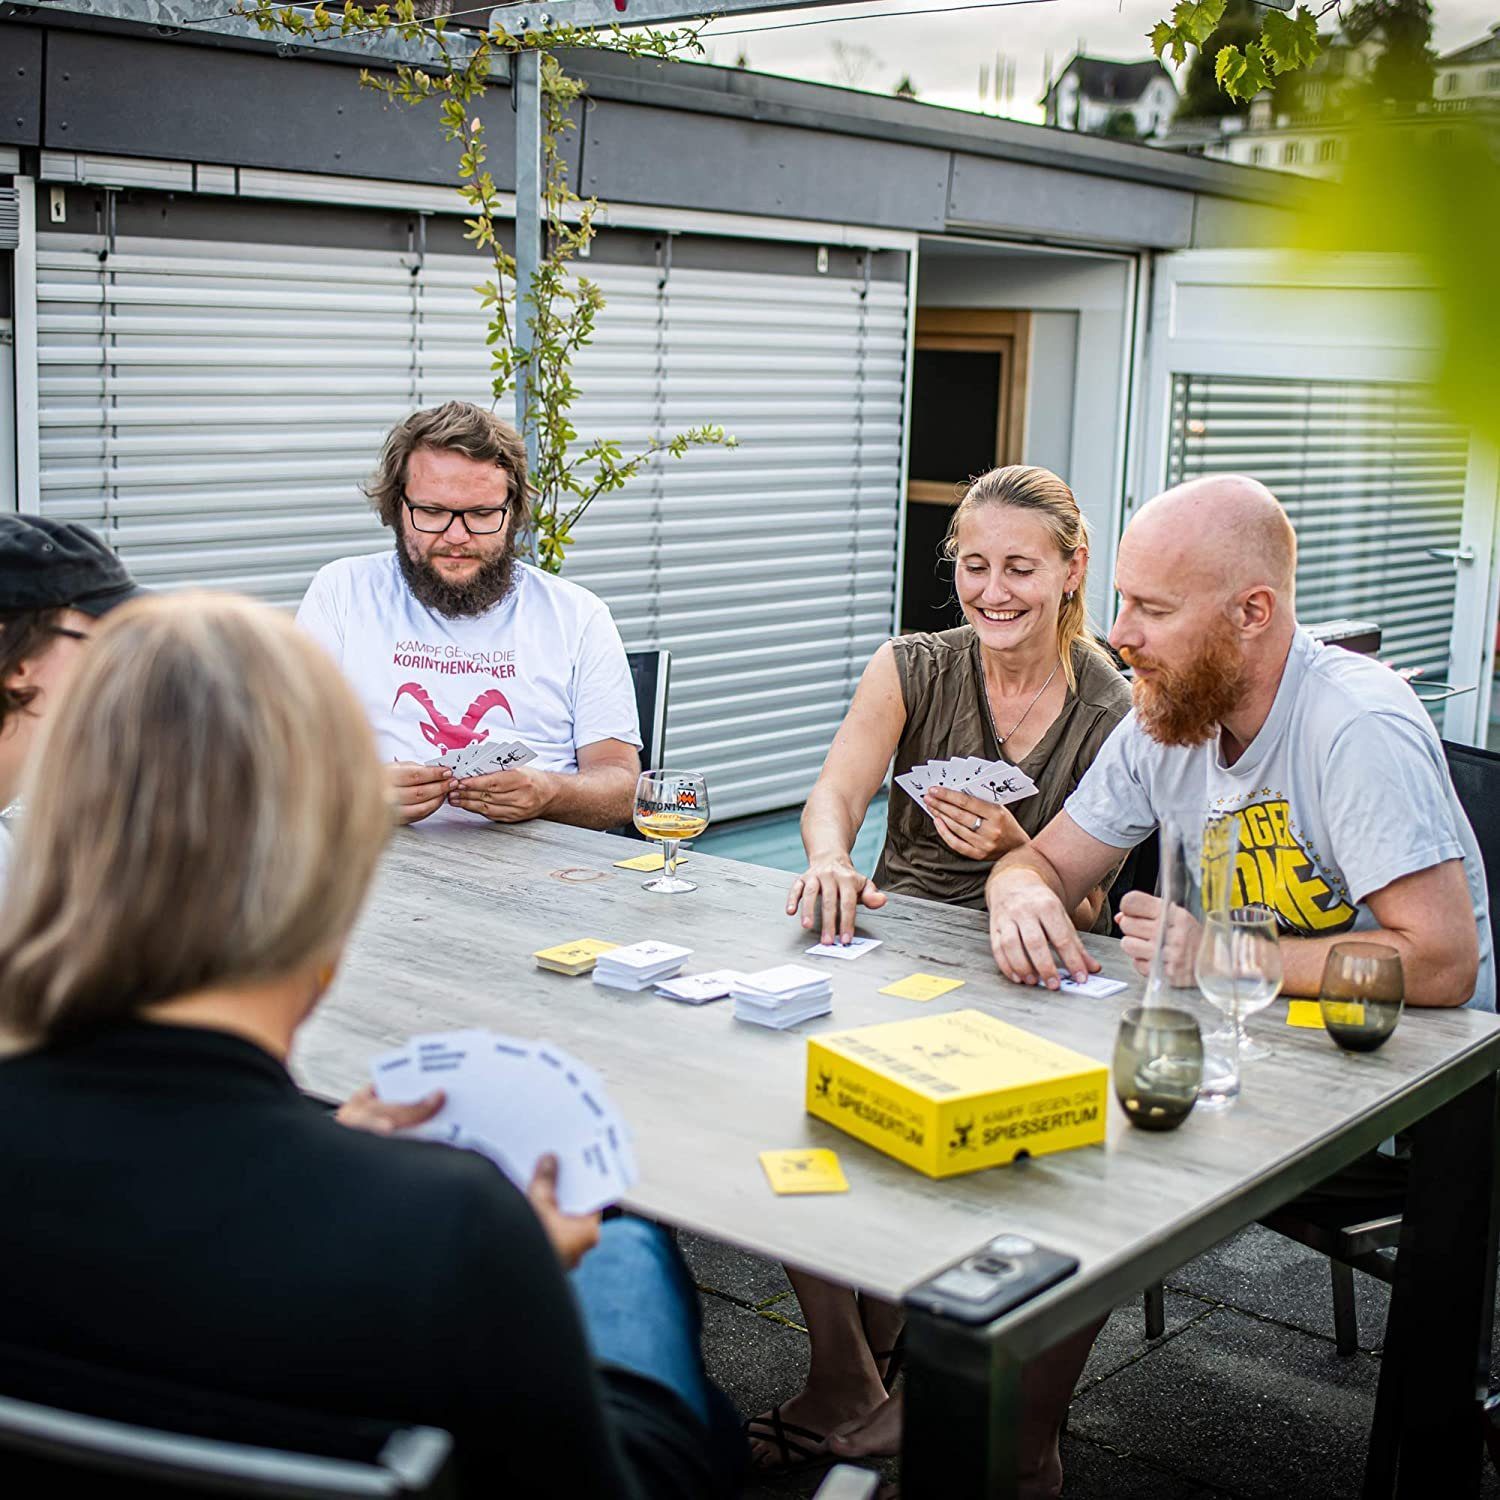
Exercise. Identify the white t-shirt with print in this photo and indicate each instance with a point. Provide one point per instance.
(544, 666)
(1344, 790)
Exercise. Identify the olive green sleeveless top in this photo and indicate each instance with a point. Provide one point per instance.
(942, 684)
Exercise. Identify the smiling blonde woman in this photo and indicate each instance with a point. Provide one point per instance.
(1022, 680)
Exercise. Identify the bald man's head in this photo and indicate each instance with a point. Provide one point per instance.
(1224, 531)
(1205, 574)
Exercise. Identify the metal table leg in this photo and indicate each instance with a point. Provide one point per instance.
(963, 1404)
(1433, 1382)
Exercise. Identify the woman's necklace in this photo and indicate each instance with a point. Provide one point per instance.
(1000, 739)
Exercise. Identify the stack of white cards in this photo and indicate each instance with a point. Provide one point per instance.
(699, 989)
(639, 966)
(994, 781)
(485, 757)
(514, 1102)
(782, 996)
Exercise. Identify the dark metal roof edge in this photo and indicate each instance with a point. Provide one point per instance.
(705, 88)
(709, 89)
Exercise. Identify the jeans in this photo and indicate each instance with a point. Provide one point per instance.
(640, 1310)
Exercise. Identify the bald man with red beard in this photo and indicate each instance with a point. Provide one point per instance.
(1328, 760)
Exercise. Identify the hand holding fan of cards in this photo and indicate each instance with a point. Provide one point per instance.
(515, 1102)
(993, 781)
(485, 757)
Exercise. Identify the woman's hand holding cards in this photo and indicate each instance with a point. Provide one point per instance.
(971, 826)
(572, 1235)
(832, 883)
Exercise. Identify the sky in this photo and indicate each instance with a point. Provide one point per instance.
(867, 44)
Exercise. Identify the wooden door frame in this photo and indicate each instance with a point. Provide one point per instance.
(980, 330)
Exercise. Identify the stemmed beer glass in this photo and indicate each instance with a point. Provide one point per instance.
(671, 806)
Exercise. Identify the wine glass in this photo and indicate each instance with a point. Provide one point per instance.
(1239, 969)
(1361, 994)
(671, 806)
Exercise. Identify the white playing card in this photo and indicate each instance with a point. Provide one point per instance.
(698, 989)
(1096, 986)
(515, 1101)
(999, 783)
(856, 947)
(913, 788)
(647, 955)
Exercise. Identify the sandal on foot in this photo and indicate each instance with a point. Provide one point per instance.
(797, 1447)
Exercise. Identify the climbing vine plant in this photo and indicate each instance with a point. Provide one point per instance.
(562, 311)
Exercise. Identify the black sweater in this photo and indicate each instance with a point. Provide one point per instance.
(173, 1206)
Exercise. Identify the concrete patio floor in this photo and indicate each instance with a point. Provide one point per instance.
(1243, 1397)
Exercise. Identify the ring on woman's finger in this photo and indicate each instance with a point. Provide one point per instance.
(978, 822)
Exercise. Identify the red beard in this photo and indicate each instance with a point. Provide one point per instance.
(1186, 705)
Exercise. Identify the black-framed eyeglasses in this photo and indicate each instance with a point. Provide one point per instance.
(482, 520)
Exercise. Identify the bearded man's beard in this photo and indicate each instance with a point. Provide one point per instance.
(481, 590)
(1186, 705)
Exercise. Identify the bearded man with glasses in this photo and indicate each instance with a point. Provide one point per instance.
(452, 641)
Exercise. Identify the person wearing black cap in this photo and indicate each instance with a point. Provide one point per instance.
(56, 579)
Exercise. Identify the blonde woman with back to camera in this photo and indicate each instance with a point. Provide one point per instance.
(1022, 680)
(204, 818)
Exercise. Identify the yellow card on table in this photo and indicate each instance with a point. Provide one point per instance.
(806, 1171)
(922, 987)
(576, 957)
(656, 860)
(1304, 1013)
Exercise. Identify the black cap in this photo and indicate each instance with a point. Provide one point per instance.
(47, 564)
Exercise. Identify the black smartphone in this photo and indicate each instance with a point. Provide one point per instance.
(1008, 1271)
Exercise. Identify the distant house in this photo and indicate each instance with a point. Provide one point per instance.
(1098, 96)
(1472, 72)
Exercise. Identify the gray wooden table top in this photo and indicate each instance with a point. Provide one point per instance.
(446, 942)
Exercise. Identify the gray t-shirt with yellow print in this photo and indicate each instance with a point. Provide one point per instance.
(1344, 790)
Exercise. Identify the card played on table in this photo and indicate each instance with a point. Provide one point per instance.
(804, 1171)
(1096, 986)
(922, 987)
(699, 989)
(856, 947)
(516, 1101)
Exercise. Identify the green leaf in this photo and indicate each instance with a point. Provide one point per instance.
(1290, 42)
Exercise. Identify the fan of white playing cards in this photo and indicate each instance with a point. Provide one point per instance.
(485, 757)
(990, 780)
(515, 1101)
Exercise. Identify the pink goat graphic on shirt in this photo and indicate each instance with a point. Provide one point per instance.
(442, 732)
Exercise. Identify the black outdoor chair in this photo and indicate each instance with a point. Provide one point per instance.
(650, 672)
(86, 1431)
(96, 1434)
(1368, 1245)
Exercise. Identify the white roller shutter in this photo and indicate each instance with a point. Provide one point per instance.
(212, 408)
(1372, 475)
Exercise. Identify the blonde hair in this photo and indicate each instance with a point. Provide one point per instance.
(205, 808)
(1029, 488)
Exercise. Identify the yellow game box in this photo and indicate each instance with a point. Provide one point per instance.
(956, 1092)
